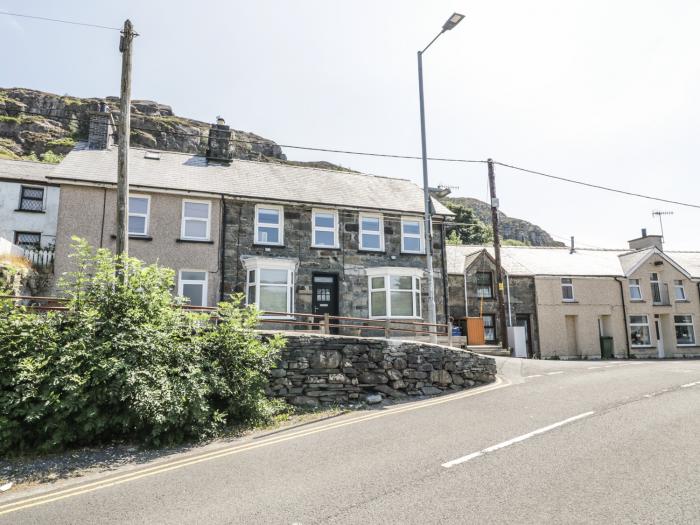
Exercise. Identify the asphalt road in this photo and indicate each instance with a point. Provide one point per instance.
(552, 442)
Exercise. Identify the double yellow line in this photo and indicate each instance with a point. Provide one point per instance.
(177, 464)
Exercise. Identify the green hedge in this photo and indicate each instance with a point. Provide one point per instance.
(126, 364)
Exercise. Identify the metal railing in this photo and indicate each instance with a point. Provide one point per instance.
(298, 321)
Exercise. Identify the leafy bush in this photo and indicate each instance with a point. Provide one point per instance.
(126, 363)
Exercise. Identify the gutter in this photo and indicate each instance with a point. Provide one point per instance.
(222, 237)
(624, 313)
(443, 254)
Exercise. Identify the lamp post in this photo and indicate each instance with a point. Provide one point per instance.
(455, 19)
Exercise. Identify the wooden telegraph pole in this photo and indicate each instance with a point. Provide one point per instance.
(124, 133)
(497, 253)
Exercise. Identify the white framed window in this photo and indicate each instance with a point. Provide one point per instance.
(192, 284)
(270, 284)
(685, 331)
(324, 225)
(371, 232)
(196, 220)
(484, 285)
(489, 327)
(411, 235)
(635, 290)
(639, 330)
(139, 211)
(679, 290)
(567, 289)
(394, 293)
(655, 288)
(269, 224)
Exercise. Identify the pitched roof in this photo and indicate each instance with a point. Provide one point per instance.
(243, 178)
(527, 260)
(25, 170)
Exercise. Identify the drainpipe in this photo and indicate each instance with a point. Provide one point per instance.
(624, 313)
(443, 254)
(510, 312)
(222, 237)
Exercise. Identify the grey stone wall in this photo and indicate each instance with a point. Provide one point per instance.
(348, 261)
(323, 369)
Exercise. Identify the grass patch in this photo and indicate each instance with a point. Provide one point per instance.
(67, 142)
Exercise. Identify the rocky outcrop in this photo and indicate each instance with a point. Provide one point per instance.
(510, 227)
(327, 369)
(46, 126)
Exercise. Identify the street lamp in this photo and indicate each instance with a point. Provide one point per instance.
(455, 19)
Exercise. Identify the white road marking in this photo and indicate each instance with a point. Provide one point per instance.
(688, 385)
(518, 439)
(554, 373)
(594, 368)
(609, 366)
(535, 375)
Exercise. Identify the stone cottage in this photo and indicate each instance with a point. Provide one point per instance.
(292, 239)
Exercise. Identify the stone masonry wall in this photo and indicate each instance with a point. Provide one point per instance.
(348, 262)
(326, 369)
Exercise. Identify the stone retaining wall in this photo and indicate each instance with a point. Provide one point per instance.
(325, 369)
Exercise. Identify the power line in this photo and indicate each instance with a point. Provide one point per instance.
(385, 155)
(71, 22)
(598, 186)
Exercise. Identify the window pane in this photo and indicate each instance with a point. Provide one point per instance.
(268, 276)
(28, 240)
(683, 319)
(488, 320)
(378, 303)
(411, 227)
(198, 210)
(377, 282)
(273, 298)
(268, 235)
(196, 229)
(567, 292)
(370, 224)
(680, 293)
(638, 319)
(138, 205)
(411, 244)
(685, 335)
(193, 276)
(33, 193)
(566, 280)
(401, 304)
(137, 224)
(194, 292)
(635, 292)
(324, 238)
(371, 241)
(251, 295)
(400, 283)
(325, 220)
(640, 335)
(268, 216)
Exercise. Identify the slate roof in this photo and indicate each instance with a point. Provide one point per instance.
(521, 260)
(25, 170)
(243, 178)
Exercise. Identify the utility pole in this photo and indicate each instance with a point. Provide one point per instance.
(497, 253)
(124, 134)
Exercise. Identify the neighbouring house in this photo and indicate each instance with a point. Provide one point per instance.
(28, 203)
(292, 239)
(586, 303)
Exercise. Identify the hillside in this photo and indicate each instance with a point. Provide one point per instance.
(45, 126)
(509, 227)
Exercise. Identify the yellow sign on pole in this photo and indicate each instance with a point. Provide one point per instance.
(501, 287)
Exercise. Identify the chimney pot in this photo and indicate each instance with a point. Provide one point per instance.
(644, 232)
(572, 245)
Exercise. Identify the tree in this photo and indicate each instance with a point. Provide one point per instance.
(468, 228)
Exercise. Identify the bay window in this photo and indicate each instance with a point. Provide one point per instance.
(394, 292)
(269, 224)
(270, 284)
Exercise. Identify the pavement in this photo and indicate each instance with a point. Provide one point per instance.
(550, 442)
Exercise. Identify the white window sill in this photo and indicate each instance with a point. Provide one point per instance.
(268, 244)
(319, 247)
(643, 347)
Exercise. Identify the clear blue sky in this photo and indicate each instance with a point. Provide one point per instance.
(590, 89)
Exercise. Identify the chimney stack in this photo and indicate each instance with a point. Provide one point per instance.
(647, 241)
(219, 147)
(101, 131)
(572, 245)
